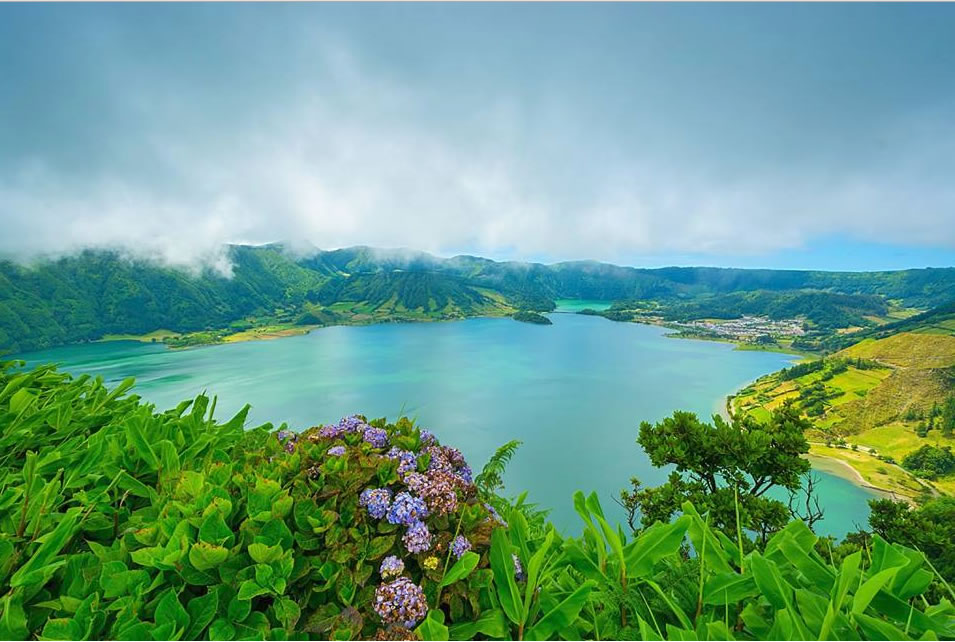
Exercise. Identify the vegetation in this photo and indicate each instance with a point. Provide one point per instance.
(526, 316)
(95, 294)
(123, 522)
(724, 469)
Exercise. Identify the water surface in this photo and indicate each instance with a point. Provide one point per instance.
(574, 392)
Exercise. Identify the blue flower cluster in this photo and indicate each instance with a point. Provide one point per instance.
(288, 440)
(401, 602)
(346, 424)
(377, 437)
(377, 500)
(336, 451)
(427, 437)
(417, 538)
(407, 460)
(407, 509)
(460, 545)
(391, 566)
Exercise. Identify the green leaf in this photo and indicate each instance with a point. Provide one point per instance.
(206, 556)
(502, 565)
(201, 610)
(39, 563)
(170, 611)
(461, 569)
(869, 588)
(136, 439)
(562, 615)
(433, 628)
(491, 623)
(265, 554)
(657, 542)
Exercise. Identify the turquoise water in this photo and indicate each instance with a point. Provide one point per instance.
(574, 392)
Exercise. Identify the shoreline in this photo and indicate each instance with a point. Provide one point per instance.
(844, 470)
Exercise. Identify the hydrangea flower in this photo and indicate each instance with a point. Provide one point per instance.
(494, 515)
(331, 431)
(391, 566)
(282, 435)
(407, 460)
(418, 538)
(289, 446)
(336, 451)
(430, 562)
(352, 423)
(519, 573)
(427, 437)
(407, 509)
(377, 500)
(460, 545)
(401, 602)
(437, 488)
(377, 437)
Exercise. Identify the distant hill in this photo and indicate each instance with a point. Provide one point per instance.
(882, 398)
(95, 293)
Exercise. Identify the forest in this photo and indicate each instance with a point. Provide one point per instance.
(86, 296)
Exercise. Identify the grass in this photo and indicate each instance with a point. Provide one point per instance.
(156, 336)
(875, 473)
(907, 350)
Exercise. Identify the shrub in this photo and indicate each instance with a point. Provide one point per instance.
(930, 461)
(121, 522)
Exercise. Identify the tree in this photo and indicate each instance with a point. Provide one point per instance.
(947, 418)
(930, 528)
(721, 467)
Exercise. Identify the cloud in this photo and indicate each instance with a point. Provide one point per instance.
(349, 154)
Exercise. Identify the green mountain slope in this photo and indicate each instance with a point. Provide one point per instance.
(95, 293)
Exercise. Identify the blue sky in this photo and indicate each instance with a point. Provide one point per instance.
(755, 135)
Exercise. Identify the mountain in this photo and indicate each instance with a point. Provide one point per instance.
(95, 293)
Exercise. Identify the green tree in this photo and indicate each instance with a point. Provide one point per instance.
(930, 528)
(720, 466)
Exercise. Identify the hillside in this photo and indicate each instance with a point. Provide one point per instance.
(879, 401)
(93, 294)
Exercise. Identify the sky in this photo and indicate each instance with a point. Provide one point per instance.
(807, 136)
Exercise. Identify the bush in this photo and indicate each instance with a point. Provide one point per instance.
(930, 459)
(121, 522)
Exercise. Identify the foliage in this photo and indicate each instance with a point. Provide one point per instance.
(119, 522)
(531, 317)
(929, 528)
(95, 293)
(122, 523)
(930, 461)
(723, 468)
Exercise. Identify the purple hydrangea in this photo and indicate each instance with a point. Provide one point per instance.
(494, 515)
(407, 509)
(282, 435)
(417, 539)
(401, 602)
(427, 437)
(437, 488)
(346, 424)
(460, 545)
(377, 437)
(336, 451)
(519, 573)
(407, 460)
(377, 500)
(331, 431)
(391, 566)
(449, 460)
(289, 446)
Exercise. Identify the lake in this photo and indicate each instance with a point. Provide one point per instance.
(574, 392)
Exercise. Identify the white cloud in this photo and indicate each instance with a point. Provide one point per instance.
(354, 159)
